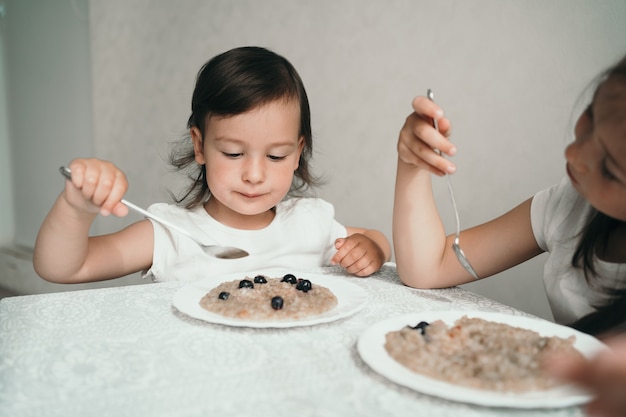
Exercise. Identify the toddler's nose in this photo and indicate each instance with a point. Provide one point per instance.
(254, 171)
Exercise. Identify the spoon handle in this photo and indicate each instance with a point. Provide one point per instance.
(431, 97)
(157, 219)
(67, 173)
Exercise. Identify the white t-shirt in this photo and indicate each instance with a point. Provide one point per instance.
(558, 215)
(301, 235)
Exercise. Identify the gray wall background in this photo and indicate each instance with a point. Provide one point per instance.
(114, 79)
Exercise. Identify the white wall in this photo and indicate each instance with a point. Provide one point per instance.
(49, 90)
(46, 83)
(508, 73)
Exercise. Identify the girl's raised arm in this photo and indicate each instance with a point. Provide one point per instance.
(424, 253)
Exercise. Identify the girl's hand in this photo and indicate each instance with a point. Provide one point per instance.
(96, 187)
(358, 254)
(603, 375)
(419, 139)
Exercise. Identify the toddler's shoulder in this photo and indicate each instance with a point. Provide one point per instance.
(166, 208)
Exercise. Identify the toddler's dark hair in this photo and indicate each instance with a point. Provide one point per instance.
(232, 83)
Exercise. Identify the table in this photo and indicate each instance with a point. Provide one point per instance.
(125, 351)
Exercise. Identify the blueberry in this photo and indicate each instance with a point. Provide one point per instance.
(304, 285)
(223, 295)
(246, 283)
(290, 278)
(260, 279)
(421, 326)
(277, 302)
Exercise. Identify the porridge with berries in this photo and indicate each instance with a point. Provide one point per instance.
(478, 354)
(265, 298)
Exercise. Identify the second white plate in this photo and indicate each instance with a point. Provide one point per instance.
(371, 347)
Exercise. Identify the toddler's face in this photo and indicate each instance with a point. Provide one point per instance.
(596, 160)
(250, 159)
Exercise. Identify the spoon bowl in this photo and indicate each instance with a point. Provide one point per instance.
(460, 255)
(217, 251)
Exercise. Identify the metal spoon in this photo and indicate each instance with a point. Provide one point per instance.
(222, 252)
(455, 245)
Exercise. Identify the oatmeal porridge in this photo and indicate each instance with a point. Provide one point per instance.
(477, 353)
(267, 298)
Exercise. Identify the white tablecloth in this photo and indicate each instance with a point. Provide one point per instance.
(125, 351)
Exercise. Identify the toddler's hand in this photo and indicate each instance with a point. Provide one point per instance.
(96, 187)
(358, 254)
(419, 139)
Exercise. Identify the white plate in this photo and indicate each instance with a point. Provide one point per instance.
(350, 299)
(371, 347)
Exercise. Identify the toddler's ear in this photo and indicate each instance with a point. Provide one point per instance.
(198, 144)
(300, 149)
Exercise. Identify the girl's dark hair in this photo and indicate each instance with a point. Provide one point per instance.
(232, 83)
(610, 317)
(594, 240)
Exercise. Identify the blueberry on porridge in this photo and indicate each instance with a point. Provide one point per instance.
(290, 278)
(265, 298)
(421, 327)
(277, 302)
(260, 279)
(246, 283)
(304, 285)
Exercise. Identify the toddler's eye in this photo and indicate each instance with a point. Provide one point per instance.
(275, 158)
(232, 155)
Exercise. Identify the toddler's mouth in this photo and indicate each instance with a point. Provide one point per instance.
(251, 196)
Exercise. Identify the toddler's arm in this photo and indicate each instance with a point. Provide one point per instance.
(65, 253)
(362, 252)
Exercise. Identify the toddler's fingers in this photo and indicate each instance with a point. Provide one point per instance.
(368, 270)
(336, 259)
(120, 210)
(343, 248)
(363, 267)
(354, 261)
(104, 187)
(78, 173)
(88, 181)
(113, 189)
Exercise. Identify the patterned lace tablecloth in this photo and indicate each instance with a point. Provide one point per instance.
(125, 351)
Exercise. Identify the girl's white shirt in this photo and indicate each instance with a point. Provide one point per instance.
(302, 235)
(558, 215)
